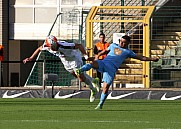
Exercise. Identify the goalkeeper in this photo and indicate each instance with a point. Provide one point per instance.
(71, 59)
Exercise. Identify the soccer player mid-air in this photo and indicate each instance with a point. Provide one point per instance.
(116, 54)
(71, 59)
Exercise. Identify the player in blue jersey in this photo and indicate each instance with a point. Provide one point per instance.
(116, 54)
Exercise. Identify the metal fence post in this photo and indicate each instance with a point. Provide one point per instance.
(43, 79)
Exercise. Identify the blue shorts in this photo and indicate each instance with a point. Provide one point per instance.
(107, 70)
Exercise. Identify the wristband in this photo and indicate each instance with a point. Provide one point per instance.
(86, 57)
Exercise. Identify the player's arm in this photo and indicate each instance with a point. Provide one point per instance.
(81, 48)
(143, 58)
(33, 55)
(101, 53)
(96, 51)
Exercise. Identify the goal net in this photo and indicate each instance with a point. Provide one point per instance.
(50, 64)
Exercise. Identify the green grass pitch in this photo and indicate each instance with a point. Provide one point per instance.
(80, 114)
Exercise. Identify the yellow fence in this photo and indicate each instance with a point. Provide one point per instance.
(131, 20)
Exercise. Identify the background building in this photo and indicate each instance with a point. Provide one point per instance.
(26, 23)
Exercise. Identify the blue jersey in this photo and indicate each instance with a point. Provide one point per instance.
(117, 55)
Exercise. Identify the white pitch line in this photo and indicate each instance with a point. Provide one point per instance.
(79, 121)
(74, 121)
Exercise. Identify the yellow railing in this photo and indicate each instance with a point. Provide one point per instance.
(129, 16)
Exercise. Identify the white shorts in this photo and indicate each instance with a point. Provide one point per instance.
(70, 66)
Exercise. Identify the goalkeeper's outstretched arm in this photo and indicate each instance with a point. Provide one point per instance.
(33, 55)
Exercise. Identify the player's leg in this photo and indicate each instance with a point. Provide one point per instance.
(81, 76)
(92, 83)
(107, 81)
(104, 95)
(84, 78)
(96, 65)
(87, 67)
(99, 75)
(71, 66)
(95, 81)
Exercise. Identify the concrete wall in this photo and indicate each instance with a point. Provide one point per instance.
(14, 68)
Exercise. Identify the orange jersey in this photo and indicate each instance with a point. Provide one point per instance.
(1, 53)
(99, 47)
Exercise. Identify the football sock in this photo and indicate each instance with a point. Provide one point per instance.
(86, 67)
(103, 98)
(88, 81)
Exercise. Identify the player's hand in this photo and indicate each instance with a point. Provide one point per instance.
(85, 57)
(26, 60)
(96, 57)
